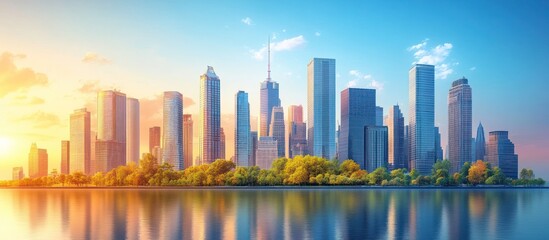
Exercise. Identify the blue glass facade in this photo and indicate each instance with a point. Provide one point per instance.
(500, 152)
(269, 98)
(172, 127)
(242, 134)
(460, 115)
(209, 135)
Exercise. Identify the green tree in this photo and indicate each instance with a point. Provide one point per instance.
(497, 177)
(348, 167)
(377, 176)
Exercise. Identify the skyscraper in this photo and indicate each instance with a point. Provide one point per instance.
(253, 148)
(358, 109)
(500, 152)
(422, 117)
(210, 117)
(321, 107)
(460, 114)
(154, 138)
(438, 146)
(268, 99)
(188, 140)
(221, 144)
(297, 132)
(38, 162)
(277, 130)
(17, 173)
(110, 147)
(242, 142)
(395, 131)
(80, 147)
(407, 146)
(267, 152)
(375, 147)
(379, 116)
(480, 143)
(65, 157)
(132, 130)
(172, 127)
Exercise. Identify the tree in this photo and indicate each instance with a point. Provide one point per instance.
(348, 167)
(377, 176)
(527, 174)
(477, 173)
(497, 177)
(414, 174)
(464, 172)
(441, 173)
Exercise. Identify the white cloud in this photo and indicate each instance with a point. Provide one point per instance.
(317, 34)
(283, 30)
(473, 68)
(284, 45)
(91, 57)
(363, 80)
(435, 56)
(247, 21)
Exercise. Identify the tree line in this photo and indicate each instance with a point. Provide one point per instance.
(300, 170)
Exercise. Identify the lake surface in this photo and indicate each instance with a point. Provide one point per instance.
(332, 213)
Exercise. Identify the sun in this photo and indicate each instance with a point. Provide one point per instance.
(5, 144)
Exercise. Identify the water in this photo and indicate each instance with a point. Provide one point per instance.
(274, 213)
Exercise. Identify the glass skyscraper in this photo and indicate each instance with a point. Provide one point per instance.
(500, 152)
(110, 147)
(132, 130)
(297, 132)
(358, 109)
(321, 107)
(188, 141)
(277, 130)
(422, 117)
(172, 129)
(242, 134)
(38, 162)
(210, 117)
(269, 98)
(375, 147)
(396, 146)
(65, 157)
(80, 147)
(480, 142)
(379, 116)
(460, 112)
(267, 152)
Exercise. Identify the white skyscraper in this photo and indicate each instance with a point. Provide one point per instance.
(132, 130)
(172, 129)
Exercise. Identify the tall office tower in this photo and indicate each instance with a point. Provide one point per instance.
(269, 98)
(321, 107)
(297, 132)
(480, 143)
(93, 140)
(358, 109)
(422, 117)
(438, 147)
(277, 130)
(80, 146)
(154, 138)
(65, 157)
(172, 126)
(157, 153)
(188, 140)
(132, 130)
(242, 141)
(110, 147)
(395, 131)
(379, 116)
(221, 143)
(460, 112)
(210, 117)
(17, 173)
(473, 150)
(267, 152)
(253, 148)
(407, 146)
(500, 152)
(375, 147)
(38, 162)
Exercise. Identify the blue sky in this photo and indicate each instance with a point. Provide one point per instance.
(146, 47)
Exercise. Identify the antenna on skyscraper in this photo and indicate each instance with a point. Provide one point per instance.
(269, 59)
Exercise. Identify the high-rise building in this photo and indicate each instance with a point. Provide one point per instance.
(110, 147)
(422, 117)
(375, 146)
(242, 141)
(500, 152)
(172, 127)
(17, 173)
(221, 144)
(358, 109)
(379, 116)
(395, 131)
(277, 130)
(80, 146)
(132, 130)
(267, 152)
(188, 140)
(65, 157)
(473, 150)
(480, 143)
(253, 148)
(438, 147)
(407, 146)
(38, 162)
(93, 140)
(297, 132)
(321, 107)
(268, 98)
(154, 138)
(210, 117)
(460, 112)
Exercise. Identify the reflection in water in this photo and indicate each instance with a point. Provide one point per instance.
(269, 213)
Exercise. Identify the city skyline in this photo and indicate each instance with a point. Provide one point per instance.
(99, 67)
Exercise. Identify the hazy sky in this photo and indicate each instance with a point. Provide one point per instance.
(55, 55)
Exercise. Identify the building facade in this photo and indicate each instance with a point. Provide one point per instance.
(277, 130)
(358, 109)
(65, 157)
(154, 138)
(500, 152)
(422, 117)
(297, 132)
(379, 116)
(110, 147)
(210, 117)
(395, 145)
(460, 117)
(172, 127)
(188, 141)
(480, 143)
(321, 107)
(38, 162)
(132, 130)
(438, 147)
(80, 139)
(242, 135)
(267, 152)
(17, 173)
(375, 145)
(253, 148)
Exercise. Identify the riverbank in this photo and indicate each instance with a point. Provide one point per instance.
(354, 187)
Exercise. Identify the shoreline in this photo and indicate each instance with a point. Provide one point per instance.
(284, 187)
